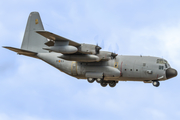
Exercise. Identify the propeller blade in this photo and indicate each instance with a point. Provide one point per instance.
(97, 48)
(114, 55)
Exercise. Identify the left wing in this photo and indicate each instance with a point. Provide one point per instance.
(55, 37)
(74, 51)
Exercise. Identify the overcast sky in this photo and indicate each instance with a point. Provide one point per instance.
(30, 89)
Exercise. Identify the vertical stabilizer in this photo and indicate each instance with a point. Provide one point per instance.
(33, 41)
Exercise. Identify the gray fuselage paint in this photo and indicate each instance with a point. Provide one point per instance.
(123, 68)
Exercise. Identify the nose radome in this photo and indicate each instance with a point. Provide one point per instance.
(170, 72)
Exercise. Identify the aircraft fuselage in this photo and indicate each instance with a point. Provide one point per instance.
(123, 68)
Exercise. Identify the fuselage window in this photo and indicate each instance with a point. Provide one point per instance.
(144, 64)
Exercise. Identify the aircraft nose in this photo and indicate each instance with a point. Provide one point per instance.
(170, 72)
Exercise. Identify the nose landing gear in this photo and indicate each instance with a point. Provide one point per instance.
(155, 83)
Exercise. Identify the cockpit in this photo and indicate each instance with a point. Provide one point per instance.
(170, 72)
(163, 62)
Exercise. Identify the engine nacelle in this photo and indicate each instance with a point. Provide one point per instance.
(105, 55)
(89, 49)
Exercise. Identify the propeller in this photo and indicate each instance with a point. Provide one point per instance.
(113, 55)
(116, 48)
(97, 48)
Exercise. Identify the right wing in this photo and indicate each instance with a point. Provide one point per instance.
(22, 52)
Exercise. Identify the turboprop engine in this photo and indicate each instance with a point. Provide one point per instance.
(89, 49)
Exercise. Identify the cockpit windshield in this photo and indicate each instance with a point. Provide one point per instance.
(162, 61)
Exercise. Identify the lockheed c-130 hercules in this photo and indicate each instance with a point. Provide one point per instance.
(87, 61)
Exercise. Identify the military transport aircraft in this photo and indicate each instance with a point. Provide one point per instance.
(87, 61)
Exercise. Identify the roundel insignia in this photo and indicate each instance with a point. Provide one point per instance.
(36, 21)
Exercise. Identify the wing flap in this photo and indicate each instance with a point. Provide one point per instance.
(55, 37)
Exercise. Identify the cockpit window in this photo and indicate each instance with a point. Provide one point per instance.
(166, 65)
(162, 61)
(161, 67)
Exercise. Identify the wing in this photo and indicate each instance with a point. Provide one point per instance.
(22, 52)
(74, 51)
(55, 37)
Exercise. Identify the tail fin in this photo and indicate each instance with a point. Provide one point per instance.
(33, 41)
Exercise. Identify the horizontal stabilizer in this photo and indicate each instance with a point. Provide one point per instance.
(22, 52)
(55, 37)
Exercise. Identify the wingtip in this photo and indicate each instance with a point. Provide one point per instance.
(7, 47)
(4, 46)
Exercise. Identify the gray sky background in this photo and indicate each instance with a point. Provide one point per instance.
(30, 89)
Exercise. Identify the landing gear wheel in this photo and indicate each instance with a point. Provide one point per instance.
(112, 83)
(98, 80)
(103, 84)
(156, 83)
(90, 80)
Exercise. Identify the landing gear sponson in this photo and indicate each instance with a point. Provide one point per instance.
(102, 82)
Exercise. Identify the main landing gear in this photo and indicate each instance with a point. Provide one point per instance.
(102, 82)
(155, 83)
(112, 83)
(99, 80)
(90, 80)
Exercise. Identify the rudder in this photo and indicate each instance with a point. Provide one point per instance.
(33, 41)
